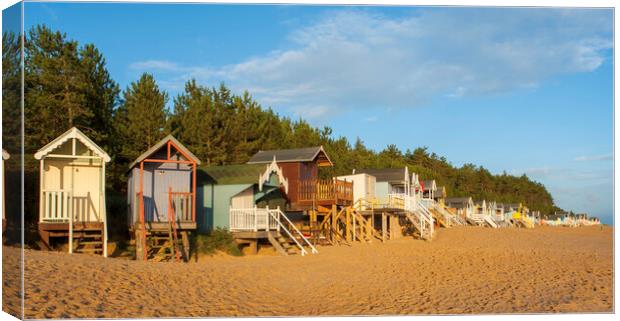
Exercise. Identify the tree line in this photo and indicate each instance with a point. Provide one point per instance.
(68, 84)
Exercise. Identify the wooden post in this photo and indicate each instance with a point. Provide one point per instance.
(334, 224)
(104, 210)
(369, 230)
(383, 227)
(348, 224)
(194, 192)
(354, 228)
(142, 219)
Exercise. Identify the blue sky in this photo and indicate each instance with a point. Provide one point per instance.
(516, 90)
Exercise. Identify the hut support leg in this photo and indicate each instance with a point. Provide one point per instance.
(139, 245)
(383, 227)
(186, 249)
(348, 224)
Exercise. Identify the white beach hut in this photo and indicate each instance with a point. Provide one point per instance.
(72, 193)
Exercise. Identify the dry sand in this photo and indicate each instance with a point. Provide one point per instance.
(464, 270)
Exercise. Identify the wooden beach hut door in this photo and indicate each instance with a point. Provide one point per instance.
(86, 195)
(176, 181)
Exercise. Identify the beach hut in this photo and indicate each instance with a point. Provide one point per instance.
(249, 201)
(229, 190)
(440, 195)
(5, 156)
(161, 194)
(430, 187)
(363, 187)
(389, 181)
(300, 166)
(463, 206)
(72, 193)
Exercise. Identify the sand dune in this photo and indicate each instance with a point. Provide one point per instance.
(464, 270)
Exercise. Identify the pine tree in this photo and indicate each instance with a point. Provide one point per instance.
(11, 92)
(141, 118)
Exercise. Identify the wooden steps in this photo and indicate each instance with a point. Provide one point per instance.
(88, 240)
(281, 244)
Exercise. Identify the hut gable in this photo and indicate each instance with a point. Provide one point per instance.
(158, 151)
(297, 155)
(59, 144)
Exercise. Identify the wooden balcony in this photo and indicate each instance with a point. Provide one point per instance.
(325, 192)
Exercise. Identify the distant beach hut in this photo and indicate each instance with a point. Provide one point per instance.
(389, 181)
(430, 188)
(161, 191)
(463, 206)
(5, 156)
(440, 195)
(363, 188)
(72, 193)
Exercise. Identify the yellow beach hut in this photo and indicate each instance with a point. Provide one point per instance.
(72, 193)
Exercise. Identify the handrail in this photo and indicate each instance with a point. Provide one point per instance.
(428, 217)
(281, 214)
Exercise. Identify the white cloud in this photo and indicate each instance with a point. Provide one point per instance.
(590, 158)
(356, 59)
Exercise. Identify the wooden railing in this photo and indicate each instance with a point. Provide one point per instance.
(325, 189)
(181, 203)
(252, 219)
(57, 206)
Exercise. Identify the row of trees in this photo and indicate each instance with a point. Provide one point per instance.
(69, 85)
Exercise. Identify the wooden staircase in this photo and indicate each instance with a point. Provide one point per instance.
(88, 240)
(282, 244)
(166, 245)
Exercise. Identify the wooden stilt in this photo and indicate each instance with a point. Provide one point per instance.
(383, 227)
(348, 223)
(334, 223)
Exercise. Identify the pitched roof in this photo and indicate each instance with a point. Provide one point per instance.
(160, 145)
(308, 154)
(236, 174)
(5, 154)
(69, 134)
(457, 202)
(385, 174)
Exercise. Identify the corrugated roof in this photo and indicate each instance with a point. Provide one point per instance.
(307, 154)
(236, 174)
(385, 174)
(160, 145)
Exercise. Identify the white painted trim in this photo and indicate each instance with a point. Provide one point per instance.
(272, 168)
(72, 133)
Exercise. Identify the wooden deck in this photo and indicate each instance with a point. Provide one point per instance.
(314, 193)
(49, 230)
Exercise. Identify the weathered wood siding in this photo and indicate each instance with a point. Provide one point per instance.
(158, 178)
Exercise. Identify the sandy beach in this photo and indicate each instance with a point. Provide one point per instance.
(464, 270)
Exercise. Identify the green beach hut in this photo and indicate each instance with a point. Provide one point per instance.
(245, 186)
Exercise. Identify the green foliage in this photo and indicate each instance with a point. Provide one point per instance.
(68, 85)
(216, 240)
